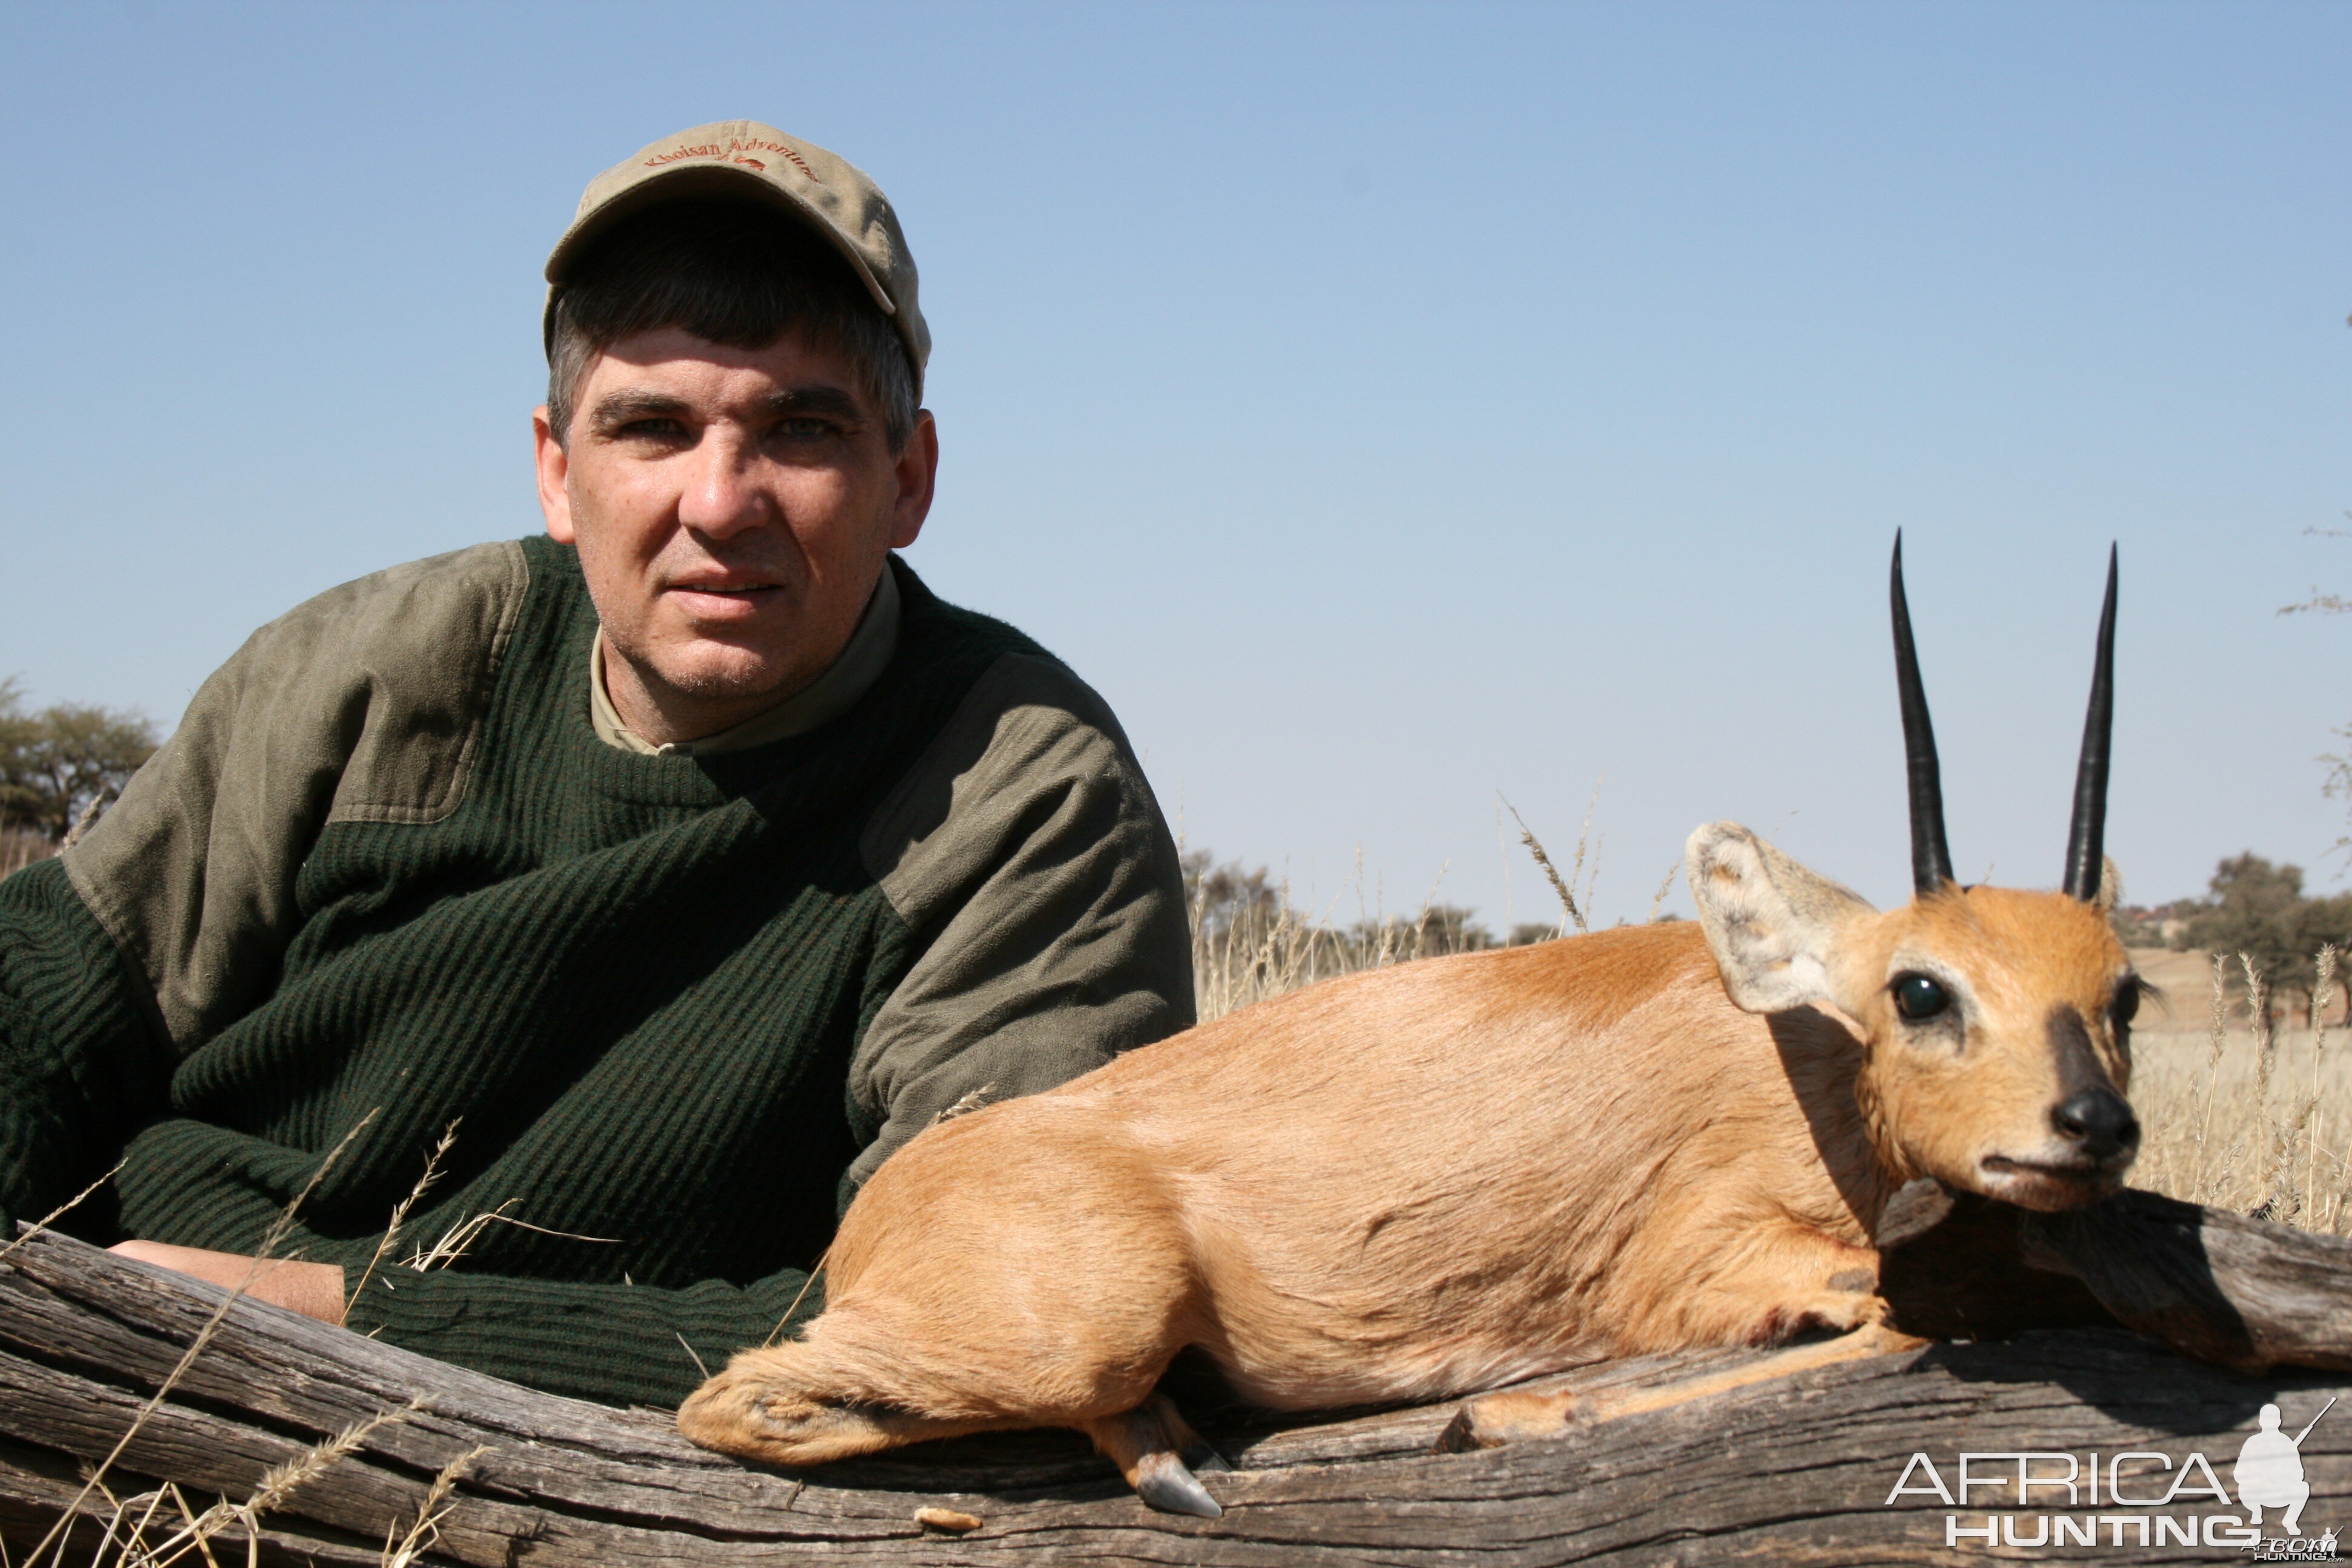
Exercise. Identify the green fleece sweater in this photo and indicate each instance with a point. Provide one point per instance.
(678, 1005)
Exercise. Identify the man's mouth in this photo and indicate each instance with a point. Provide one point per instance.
(725, 598)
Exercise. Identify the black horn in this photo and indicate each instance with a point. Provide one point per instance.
(2086, 840)
(1931, 858)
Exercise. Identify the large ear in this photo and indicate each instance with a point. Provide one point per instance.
(1773, 925)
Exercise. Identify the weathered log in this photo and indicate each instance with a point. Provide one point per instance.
(1953, 1266)
(1799, 1469)
(2240, 1292)
(2221, 1287)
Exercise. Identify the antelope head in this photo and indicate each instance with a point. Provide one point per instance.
(1995, 1022)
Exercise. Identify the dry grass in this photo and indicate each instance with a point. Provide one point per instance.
(131, 1523)
(400, 1212)
(1259, 954)
(420, 1536)
(1249, 955)
(2243, 1116)
(139, 1534)
(1254, 944)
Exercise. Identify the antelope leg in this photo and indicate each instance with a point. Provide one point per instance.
(1493, 1419)
(1146, 1444)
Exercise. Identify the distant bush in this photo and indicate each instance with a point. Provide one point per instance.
(1251, 942)
(57, 763)
(2255, 907)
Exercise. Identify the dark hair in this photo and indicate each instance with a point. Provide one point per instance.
(731, 272)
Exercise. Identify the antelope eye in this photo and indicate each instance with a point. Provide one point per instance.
(1917, 996)
(2126, 1005)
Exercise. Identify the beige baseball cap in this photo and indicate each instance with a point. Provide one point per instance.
(745, 159)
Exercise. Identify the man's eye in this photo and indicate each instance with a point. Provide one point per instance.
(798, 430)
(653, 429)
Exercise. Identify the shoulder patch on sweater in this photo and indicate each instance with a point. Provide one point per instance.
(364, 704)
(1027, 728)
(427, 639)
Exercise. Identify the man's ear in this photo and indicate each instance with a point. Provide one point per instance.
(554, 465)
(919, 473)
(1773, 926)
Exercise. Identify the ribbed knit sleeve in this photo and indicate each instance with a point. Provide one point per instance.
(616, 1344)
(80, 1066)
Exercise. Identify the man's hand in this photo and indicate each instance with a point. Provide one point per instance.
(313, 1290)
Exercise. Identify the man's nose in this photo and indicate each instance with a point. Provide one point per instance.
(721, 496)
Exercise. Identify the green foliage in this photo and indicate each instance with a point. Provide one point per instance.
(18, 732)
(1228, 898)
(2259, 909)
(55, 763)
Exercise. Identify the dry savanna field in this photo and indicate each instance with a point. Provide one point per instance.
(2239, 1114)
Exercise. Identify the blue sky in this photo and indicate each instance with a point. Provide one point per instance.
(1384, 407)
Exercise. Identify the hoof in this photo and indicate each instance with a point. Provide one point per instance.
(1499, 1418)
(1460, 1436)
(1166, 1485)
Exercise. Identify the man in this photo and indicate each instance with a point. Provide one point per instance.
(688, 860)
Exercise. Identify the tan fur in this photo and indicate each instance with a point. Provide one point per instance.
(1443, 1176)
(1943, 1113)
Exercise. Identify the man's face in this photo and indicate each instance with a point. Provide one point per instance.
(732, 509)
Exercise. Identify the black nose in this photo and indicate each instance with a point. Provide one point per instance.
(2099, 1121)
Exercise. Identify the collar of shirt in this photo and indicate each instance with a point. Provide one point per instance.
(845, 680)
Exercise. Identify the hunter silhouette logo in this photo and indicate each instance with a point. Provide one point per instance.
(2269, 1473)
(2133, 1499)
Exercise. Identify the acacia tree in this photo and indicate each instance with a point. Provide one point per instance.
(1228, 898)
(56, 762)
(2258, 908)
(18, 804)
